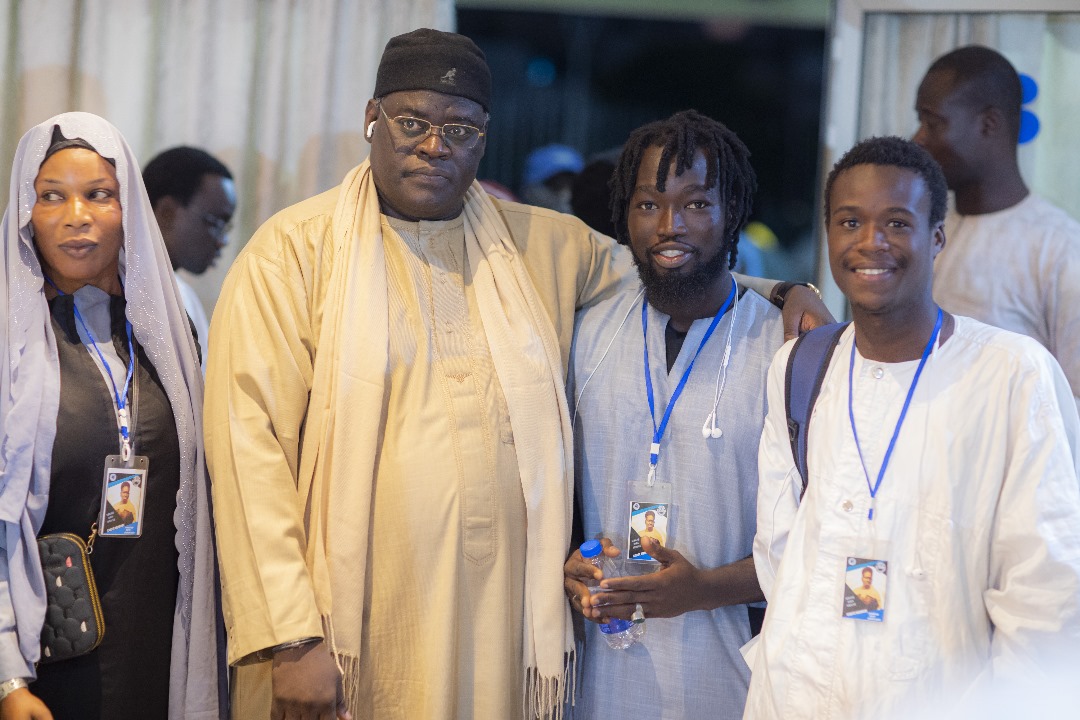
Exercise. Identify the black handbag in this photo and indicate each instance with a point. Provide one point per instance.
(74, 624)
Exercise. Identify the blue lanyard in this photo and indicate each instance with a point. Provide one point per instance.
(121, 398)
(658, 430)
(903, 412)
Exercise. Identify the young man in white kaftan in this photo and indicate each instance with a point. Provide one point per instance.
(942, 454)
(681, 194)
(1013, 259)
(388, 432)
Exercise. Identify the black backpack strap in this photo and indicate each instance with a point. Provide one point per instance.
(805, 372)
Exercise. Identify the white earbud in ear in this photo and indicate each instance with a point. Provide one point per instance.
(370, 130)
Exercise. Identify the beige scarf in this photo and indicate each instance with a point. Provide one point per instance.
(345, 424)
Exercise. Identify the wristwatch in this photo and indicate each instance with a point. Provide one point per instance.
(9, 686)
(268, 653)
(779, 293)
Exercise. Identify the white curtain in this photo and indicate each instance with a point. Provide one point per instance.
(899, 47)
(275, 88)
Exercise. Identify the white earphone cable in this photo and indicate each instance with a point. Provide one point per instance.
(577, 401)
(709, 429)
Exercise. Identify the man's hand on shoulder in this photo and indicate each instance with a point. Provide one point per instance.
(803, 310)
(307, 685)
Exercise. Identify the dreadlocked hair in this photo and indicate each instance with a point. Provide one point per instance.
(681, 136)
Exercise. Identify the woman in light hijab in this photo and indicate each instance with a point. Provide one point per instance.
(100, 370)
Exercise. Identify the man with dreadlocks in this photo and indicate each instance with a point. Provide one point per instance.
(668, 383)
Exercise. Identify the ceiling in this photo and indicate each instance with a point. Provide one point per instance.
(803, 13)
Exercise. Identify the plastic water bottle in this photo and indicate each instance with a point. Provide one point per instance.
(620, 634)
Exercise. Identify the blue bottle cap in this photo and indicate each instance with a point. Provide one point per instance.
(615, 626)
(591, 548)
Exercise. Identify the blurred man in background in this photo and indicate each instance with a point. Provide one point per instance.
(194, 199)
(549, 176)
(1013, 259)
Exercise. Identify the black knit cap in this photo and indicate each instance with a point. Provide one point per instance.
(428, 59)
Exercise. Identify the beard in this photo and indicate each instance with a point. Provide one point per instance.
(672, 289)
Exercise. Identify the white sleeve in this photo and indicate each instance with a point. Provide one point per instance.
(779, 484)
(1033, 594)
(762, 286)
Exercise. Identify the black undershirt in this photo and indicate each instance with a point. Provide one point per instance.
(673, 339)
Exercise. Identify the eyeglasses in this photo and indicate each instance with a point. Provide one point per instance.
(218, 227)
(415, 130)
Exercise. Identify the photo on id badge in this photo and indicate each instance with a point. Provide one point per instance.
(122, 511)
(647, 519)
(865, 581)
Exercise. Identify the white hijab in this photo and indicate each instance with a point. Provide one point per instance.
(29, 398)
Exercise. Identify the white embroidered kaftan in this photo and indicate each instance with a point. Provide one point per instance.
(978, 517)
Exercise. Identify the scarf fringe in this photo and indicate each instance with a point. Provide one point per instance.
(546, 698)
(348, 668)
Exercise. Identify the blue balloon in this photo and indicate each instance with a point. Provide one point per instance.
(1028, 87)
(1029, 126)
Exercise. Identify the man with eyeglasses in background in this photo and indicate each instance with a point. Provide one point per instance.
(387, 428)
(194, 198)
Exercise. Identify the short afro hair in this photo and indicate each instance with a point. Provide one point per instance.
(984, 78)
(177, 172)
(901, 153)
(681, 136)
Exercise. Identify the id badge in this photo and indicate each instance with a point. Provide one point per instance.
(865, 589)
(649, 516)
(123, 494)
